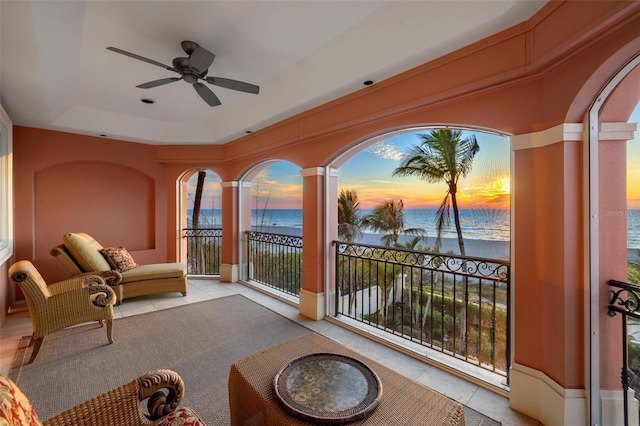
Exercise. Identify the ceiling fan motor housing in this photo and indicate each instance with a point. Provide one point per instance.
(181, 65)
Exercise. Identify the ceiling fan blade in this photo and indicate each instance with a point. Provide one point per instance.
(233, 84)
(206, 94)
(141, 58)
(157, 83)
(201, 59)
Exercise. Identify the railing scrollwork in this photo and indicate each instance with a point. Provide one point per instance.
(625, 299)
(628, 306)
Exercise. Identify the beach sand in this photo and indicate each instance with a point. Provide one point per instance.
(474, 248)
(488, 249)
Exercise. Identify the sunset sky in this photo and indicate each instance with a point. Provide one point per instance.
(369, 172)
(633, 165)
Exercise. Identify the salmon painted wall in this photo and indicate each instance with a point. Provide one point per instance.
(548, 247)
(113, 190)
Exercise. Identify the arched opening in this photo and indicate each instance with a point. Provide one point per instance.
(482, 193)
(404, 266)
(272, 222)
(201, 221)
(613, 185)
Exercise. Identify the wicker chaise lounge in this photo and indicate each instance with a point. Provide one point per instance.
(81, 253)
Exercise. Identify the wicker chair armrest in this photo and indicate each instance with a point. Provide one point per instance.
(160, 403)
(101, 294)
(112, 277)
(93, 294)
(76, 282)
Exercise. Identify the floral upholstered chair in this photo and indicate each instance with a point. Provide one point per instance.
(163, 390)
(54, 307)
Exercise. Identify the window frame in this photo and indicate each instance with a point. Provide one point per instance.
(6, 187)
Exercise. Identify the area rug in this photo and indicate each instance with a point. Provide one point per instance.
(199, 341)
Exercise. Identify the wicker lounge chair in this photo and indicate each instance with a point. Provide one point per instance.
(60, 305)
(164, 390)
(81, 253)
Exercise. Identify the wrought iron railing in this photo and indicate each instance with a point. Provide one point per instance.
(275, 260)
(203, 250)
(625, 300)
(457, 305)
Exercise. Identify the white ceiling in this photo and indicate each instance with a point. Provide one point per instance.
(56, 73)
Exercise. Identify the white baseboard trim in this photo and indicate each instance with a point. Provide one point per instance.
(312, 305)
(535, 394)
(612, 407)
(229, 273)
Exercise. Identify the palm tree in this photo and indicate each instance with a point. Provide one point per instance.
(195, 222)
(349, 215)
(444, 155)
(349, 229)
(388, 217)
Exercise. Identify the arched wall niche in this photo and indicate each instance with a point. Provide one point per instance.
(87, 196)
(92, 179)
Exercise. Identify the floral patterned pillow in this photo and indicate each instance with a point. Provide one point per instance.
(182, 416)
(119, 258)
(15, 408)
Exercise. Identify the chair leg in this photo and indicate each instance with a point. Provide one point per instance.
(37, 342)
(101, 323)
(109, 327)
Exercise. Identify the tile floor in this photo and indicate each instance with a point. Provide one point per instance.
(18, 324)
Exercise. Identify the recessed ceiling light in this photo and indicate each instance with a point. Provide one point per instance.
(147, 101)
(103, 135)
(249, 131)
(368, 83)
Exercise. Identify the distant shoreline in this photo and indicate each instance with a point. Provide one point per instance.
(480, 248)
(490, 249)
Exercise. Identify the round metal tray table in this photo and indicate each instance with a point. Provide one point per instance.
(328, 388)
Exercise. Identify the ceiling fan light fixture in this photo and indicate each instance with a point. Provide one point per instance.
(147, 101)
(191, 70)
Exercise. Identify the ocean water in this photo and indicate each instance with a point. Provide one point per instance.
(477, 224)
(480, 224)
(633, 229)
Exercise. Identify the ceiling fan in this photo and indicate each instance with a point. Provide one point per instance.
(193, 69)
